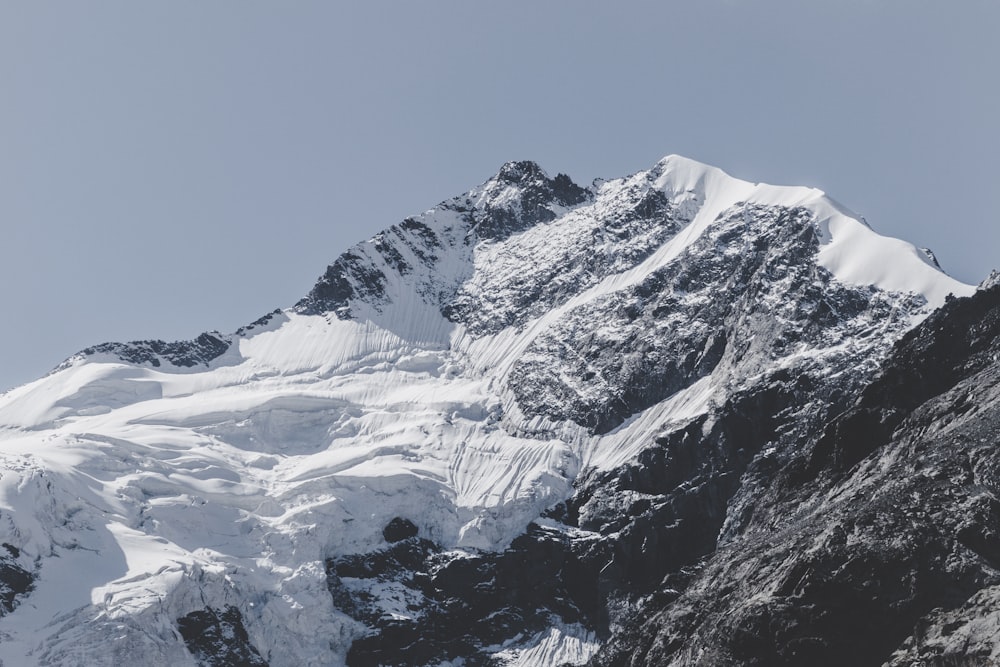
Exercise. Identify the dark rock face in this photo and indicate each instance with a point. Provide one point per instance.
(606, 241)
(363, 273)
(185, 353)
(663, 513)
(219, 638)
(537, 194)
(877, 543)
(745, 294)
(520, 196)
(14, 579)
(401, 558)
(399, 529)
(446, 607)
(350, 277)
(952, 345)
(259, 322)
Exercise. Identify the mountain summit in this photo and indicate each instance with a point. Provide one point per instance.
(499, 432)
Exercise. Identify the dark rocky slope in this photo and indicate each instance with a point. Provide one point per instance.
(219, 638)
(15, 580)
(465, 607)
(877, 543)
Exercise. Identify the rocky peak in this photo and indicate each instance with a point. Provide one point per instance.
(521, 172)
(991, 280)
(520, 196)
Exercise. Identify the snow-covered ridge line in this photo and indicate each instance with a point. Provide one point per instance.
(423, 261)
(851, 249)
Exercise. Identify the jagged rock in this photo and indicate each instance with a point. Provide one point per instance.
(14, 579)
(426, 606)
(185, 353)
(399, 529)
(991, 280)
(219, 639)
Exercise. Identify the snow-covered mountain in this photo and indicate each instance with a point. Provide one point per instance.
(501, 427)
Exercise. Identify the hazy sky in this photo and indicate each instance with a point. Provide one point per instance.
(174, 167)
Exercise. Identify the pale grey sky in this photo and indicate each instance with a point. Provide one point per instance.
(175, 167)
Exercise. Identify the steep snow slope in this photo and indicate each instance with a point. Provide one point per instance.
(460, 370)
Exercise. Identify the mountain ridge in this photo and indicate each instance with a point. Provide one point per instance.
(530, 372)
(351, 278)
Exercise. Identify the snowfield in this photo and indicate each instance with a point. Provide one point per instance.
(137, 493)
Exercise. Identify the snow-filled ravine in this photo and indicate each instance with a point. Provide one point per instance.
(137, 489)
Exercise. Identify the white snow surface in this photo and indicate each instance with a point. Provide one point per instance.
(559, 645)
(140, 494)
